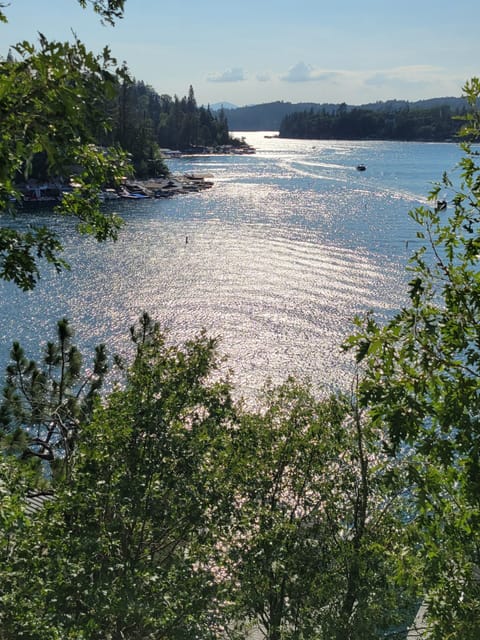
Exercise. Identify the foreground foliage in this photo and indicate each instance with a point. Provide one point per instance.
(309, 553)
(422, 385)
(52, 106)
(177, 512)
(118, 552)
(44, 404)
(185, 515)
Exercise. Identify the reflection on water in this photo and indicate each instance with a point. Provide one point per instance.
(286, 247)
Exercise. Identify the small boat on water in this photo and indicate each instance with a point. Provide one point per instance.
(40, 196)
(440, 205)
(109, 194)
(361, 167)
(133, 192)
(197, 176)
(131, 195)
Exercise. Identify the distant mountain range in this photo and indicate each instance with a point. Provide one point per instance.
(222, 105)
(268, 116)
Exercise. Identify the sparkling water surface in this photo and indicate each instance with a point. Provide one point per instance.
(275, 259)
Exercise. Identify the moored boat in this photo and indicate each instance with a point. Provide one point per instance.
(109, 194)
(130, 195)
(41, 196)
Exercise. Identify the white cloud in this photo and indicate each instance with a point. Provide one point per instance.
(302, 72)
(309, 83)
(230, 75)
(299, 73)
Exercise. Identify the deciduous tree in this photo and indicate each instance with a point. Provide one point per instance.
(422, 385)
(309, 557)
(52, 100)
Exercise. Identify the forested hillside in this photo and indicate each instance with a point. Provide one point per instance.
(264, 117)
(433, 125)
(144, 122)
(136, 118)
(270, 116)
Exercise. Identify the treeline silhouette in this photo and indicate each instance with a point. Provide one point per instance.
(441, 123)
(144, 122)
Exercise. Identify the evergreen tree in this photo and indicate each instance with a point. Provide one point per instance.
(44, 404)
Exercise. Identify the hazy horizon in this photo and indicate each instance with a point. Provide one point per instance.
(229, 105)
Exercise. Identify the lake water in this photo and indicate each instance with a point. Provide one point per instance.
(286, 247)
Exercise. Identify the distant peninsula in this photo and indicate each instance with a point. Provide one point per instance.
(435, 119)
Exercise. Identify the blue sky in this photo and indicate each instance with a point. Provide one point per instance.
(255, 51)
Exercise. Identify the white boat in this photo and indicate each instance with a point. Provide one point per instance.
(109, 194)
(130, 195)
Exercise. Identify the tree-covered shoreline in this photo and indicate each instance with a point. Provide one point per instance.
(438, 124)
(78, 120)
(144, 122)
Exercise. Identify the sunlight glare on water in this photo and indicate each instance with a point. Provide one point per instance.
(275, 259)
